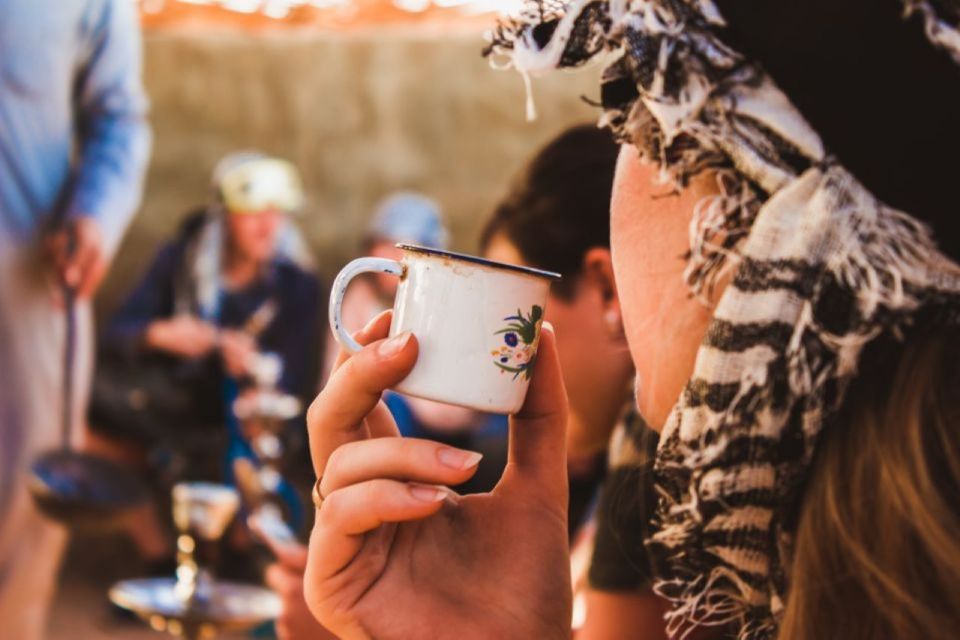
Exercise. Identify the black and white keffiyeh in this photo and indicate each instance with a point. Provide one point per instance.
(819, 267)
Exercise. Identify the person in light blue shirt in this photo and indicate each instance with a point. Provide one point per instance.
(74, 143)
(73, 134)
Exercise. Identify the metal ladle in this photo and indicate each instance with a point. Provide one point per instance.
(77, 489)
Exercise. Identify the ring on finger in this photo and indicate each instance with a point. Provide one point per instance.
(316, 495)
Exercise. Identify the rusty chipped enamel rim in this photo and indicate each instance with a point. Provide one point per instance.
(530, 271)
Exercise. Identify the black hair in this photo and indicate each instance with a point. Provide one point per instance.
(558, 206)
(883, 99)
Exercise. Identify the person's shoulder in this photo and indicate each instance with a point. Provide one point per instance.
(295, 275)
(192, 223)
(100, 15)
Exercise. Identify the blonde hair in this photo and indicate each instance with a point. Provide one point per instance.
(878, 545)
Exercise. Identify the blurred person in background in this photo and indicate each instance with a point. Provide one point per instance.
(74, 143)
(556, 217)
(235, 282)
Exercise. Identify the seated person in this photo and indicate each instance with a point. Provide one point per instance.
(235, 282)
(552, 222)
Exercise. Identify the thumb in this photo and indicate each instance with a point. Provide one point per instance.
(538, 445)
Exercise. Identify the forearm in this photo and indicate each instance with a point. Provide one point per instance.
(113, 135)
(109, 180)
(147, 306)
(126, 338)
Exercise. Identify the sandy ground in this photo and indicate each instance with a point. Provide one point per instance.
(81, 610)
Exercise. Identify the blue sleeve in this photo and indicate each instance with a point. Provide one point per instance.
(402, 415)
(152, 299)
(111, 110)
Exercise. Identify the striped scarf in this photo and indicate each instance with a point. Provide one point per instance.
(819, 267)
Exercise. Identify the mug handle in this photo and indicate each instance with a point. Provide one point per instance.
(346, 275)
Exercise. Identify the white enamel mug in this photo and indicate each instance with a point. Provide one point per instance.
(477, 323)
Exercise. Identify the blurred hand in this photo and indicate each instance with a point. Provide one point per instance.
(182, 335)
(237, 349)
(83, 267)
(396, 554)
(285, 577)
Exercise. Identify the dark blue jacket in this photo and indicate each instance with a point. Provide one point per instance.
(294, 334)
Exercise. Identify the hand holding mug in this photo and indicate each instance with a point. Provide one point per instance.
(285, 577)
(396, 554)
(477, 322)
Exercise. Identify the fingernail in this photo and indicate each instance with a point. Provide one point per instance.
(427, 493)
(548, 326)
(458, 458)
(394, 345)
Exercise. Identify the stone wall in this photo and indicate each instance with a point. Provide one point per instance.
(361, 114)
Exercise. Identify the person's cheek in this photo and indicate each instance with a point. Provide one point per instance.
(270, 240)
(272, 226)
(634, 296)
(644, 330)
(664, 327)
(647, 241)
(387, 284)
(679, 329)
(248, 232)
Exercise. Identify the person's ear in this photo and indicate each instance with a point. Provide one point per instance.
(598, 270)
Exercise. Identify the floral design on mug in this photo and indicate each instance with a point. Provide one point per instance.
(518, 350)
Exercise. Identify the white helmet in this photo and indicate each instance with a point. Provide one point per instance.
(250, 182)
